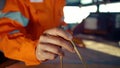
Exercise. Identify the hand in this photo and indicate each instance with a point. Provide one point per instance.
(51, 43)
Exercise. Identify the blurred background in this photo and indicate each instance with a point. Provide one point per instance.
(94, 17)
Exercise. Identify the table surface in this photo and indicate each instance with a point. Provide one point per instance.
(97, 54)
(20, 65)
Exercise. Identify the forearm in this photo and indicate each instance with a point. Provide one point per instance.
(15, 44)
(19, 49)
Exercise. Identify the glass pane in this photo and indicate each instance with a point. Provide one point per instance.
(75, 14)
(112, 7)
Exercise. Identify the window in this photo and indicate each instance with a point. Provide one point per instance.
(112, 7)
(75, 14)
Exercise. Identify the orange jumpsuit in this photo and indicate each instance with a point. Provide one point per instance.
(21, 24)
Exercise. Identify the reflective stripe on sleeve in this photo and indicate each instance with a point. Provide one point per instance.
(13, 32)
(17, 16)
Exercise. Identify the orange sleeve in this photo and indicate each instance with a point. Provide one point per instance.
(16, 45)
(59, 15)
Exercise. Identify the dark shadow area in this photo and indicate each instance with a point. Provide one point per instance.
(90, 56)
(95, 57)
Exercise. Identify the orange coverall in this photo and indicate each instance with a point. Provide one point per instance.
(21, 24)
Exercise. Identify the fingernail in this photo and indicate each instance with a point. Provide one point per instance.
(61, 54)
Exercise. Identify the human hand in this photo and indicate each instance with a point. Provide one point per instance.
(51, 43)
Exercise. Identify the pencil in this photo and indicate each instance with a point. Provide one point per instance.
(61, 61)
(78, 53)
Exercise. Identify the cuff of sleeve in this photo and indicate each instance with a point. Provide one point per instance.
(29, 53)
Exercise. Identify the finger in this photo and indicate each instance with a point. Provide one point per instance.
(43, 55)
(52, 49)
(59, 32)
(57, 41)
(48, 55)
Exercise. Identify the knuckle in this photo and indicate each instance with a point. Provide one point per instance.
(40, 47)
(40, 57)
(42, 37)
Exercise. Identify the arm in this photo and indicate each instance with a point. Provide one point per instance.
(14, 44)
(17, 46)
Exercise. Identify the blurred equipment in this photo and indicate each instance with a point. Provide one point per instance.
(106, 25)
